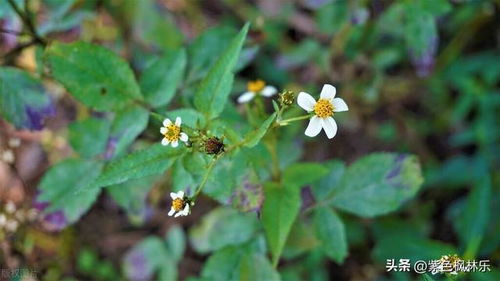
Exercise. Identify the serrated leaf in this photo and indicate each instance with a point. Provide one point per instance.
(221, 265)
(325, 186)
(253, 138)
(281, 207)
(160, 80)
(89, 137)
(150, 161)
(93, 74)
(377, 184)
(330, 231)
(60, 183)
(213, 91)
(24, 100)
(222, 227)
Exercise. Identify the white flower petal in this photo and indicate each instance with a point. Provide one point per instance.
(163, 130)
(173, 195)
(171, 212)
(180, 194)
(328, 92)
(184, 137)
(246, 97)
(185, 212)
(175, 144)
(164, 141)
(306, 101)
(178, 214)
(269, 91)
(314, 127)
(339, 105)
(178, 121)
(330, 127)
(167, 122)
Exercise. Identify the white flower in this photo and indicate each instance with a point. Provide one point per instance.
(257, 87)
(323, 111)
(179, 204)
(172, 132)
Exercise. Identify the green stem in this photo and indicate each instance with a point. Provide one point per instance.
(205, 177)
(289, 120)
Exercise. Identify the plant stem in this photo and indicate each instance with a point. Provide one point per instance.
(27, 22)
(289, 120)
(205, 177)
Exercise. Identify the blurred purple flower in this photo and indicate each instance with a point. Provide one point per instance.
(137, 267)
(424, 60)
(248, 197)
(36, 115)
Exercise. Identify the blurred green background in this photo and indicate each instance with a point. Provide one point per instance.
(419, 77)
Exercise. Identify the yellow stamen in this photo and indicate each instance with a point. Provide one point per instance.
(173, 133)
(256, 86)
(178, 204)
(323, 108)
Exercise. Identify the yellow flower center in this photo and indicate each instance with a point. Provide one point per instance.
(173, 132)
(323, 108)
(256, 86)
(178, 204)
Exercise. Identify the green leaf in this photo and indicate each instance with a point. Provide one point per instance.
(89, 137)
(24, 100)
(253, 138)
(410, 247)
(60, 183)
(189, 116)
(377, 184)
(221, 265)
(330, 231)
(222, 227)
(281, 207)
(93, 74)
(131, 196)
(148, 257)
(213, 91)
(127, 125)
(471, 224)
(160, 80)
(324, 187)
(176, 242)
(150, 161)
(300, 174)
(206, 48)
(257, 267)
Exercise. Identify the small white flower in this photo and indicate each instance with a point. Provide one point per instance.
(323, 111)
(257, 87)
(10, 207)
(180, 205)
(172, 132)
(7, 156)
